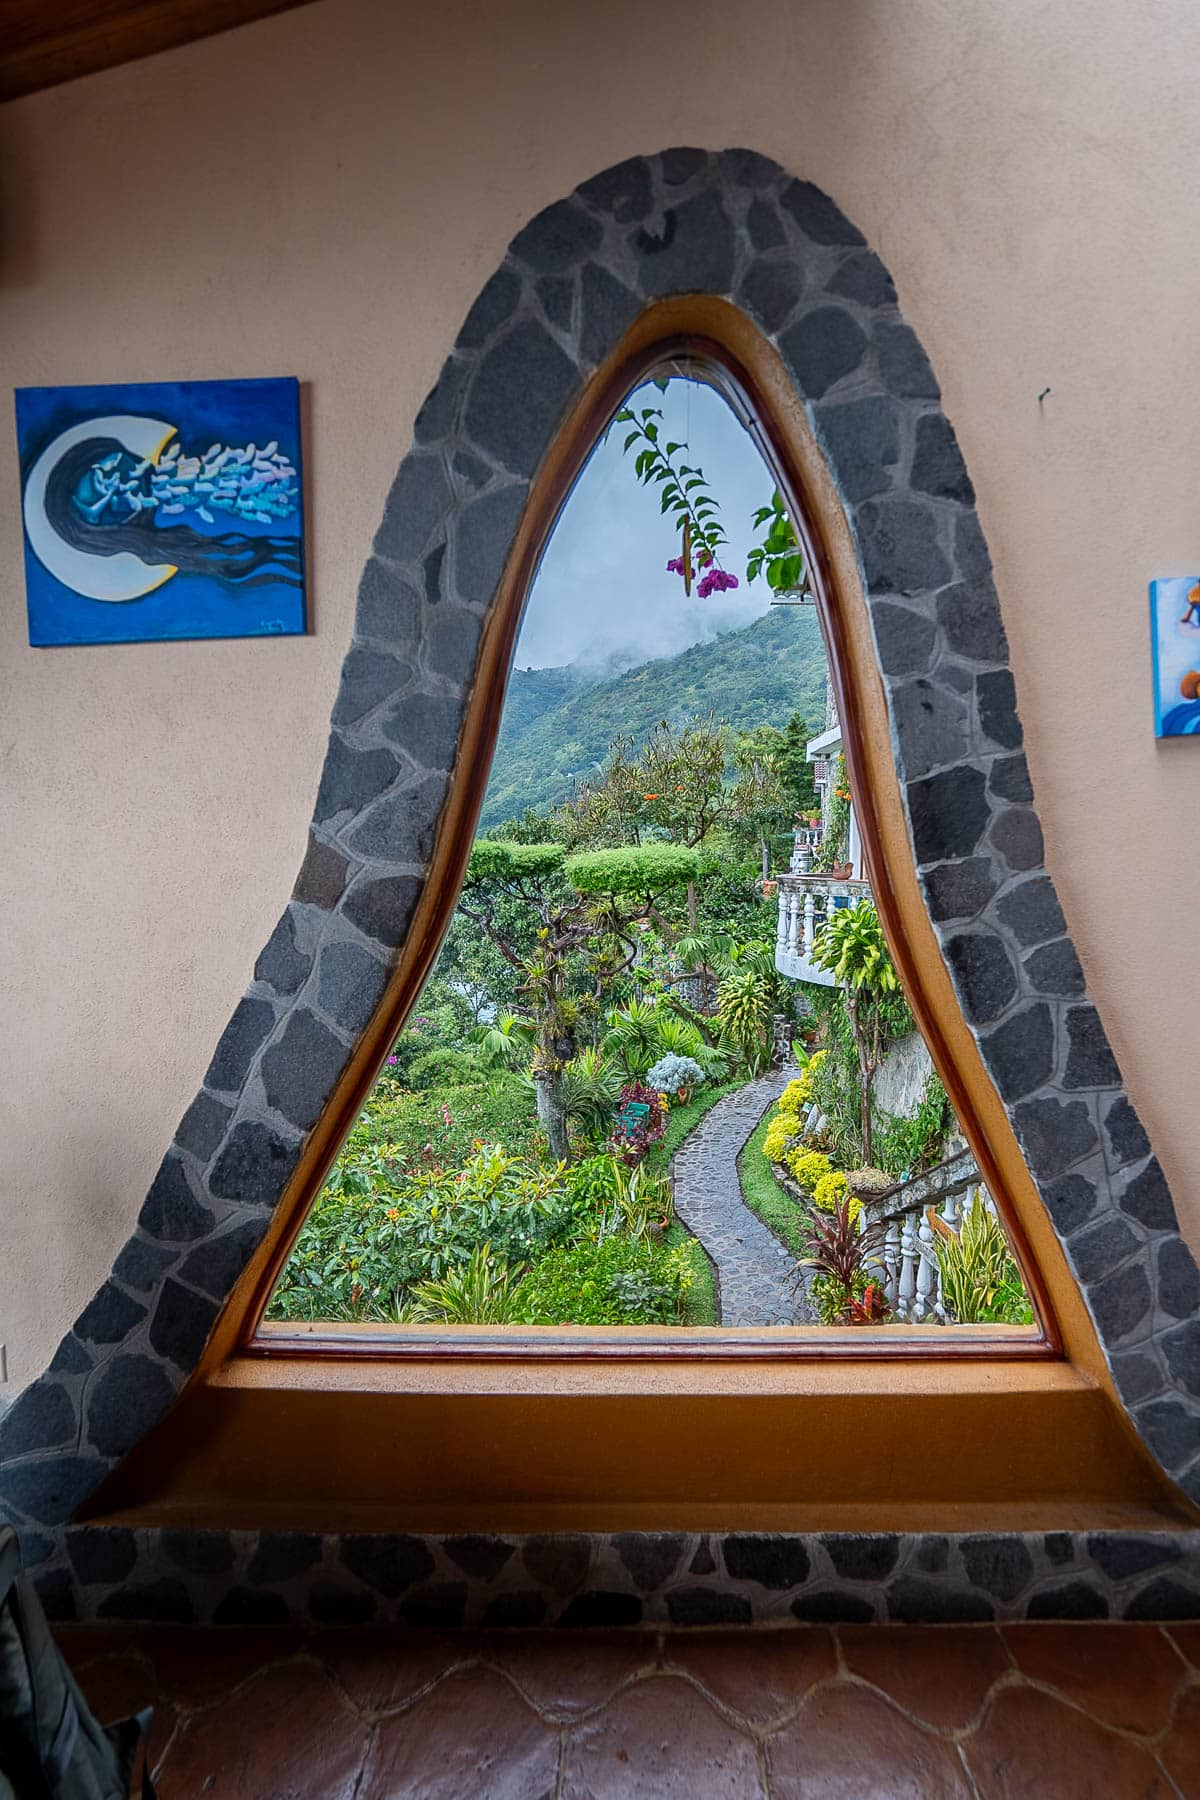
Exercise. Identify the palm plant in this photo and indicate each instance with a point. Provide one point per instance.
(505, 1043)
(851, 945)
(477, 1292)
(745, 1009)
(590, 1089)
(633, 1035)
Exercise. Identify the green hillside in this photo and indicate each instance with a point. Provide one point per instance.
(552, 727)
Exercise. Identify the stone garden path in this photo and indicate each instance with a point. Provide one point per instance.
(752, 1265)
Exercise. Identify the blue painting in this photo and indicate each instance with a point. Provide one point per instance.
(162, 510)
(1175, 647)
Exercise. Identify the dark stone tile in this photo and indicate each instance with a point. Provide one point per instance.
(559, 236)
(1009, 779)
(959, 890)
(692, 254)
(818, 217)
(652, 1557)
(420, 501)
(1068, 1600)
(593, 1610)
(862, 277)
(626, 191)
(298, 1074)
(480, 1557)
(1070, 1201)
(1127, 1140)
(1121, 1302)
(329, 1604)
(1171, 1429)
(383, 908)
(472, 469)
(101, 1554)
(242, 1606)
(43, 1417)
(496, 303)
(774, 1562)
(519, 395)
(1054, 1134)
(163, 1602)
(680, 164)
(903, 364)
(912, 1602)
(1124, 1553)
(899, 543)
(1090, 1061)
(402, 827)
(204, 1123)
(1178, 1279)
(748, 168)
(1000, 1565)
(130, 1394)
(48, 1489)
(181, 1324)
(904, 639)
(369, 677)
(439, 410)
(949, 814)
(932, 1554)
(482, 543)
(1137, 1376)
(937, 465)
(215, 1265)
(704, 1562)
(609, 307)
(707, 1606)
(970, 548)
(452, 644)
(439, 1608)
(1147, 1199)
(557, 295)
(1164, 1598)
(829, 1606)
(253, 1166)
(862, 441)
(821, 349)
(389, 607)
(350, 984)
(56, 1591)
(1017, 836)
(514, 1611)
(198, 1552)
(35, 1547)
(350, 780)
(765, 226)
(996, 696)
(1102, 1248)
(282, 1555)
(771, 290)
(862, 1557)
(1181, 1349)
(70, 1358)
(109, 1316)
(984, 975)
(559, 1562)
(1055, 970)
(930, 725)
(969, 615)
(1031, 911)
(426, 727)
(1059, 1547)
(247, 1031)
(1020, 1053)
(388, 1564)
(323, 875)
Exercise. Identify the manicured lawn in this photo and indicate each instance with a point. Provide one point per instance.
(764, 1196)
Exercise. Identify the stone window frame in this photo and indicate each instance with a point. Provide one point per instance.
(734, 225)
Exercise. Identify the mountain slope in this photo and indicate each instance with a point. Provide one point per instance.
(759, 675)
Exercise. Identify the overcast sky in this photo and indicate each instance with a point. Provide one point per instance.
(603, 589)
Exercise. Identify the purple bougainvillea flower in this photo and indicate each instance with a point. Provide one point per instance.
(675, 566)
(715, 582)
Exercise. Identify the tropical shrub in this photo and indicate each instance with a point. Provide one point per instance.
(745, 1009)
(442, 1067)
(590, 1086)
(781, 1132)
(444, 1125)
(809, 1167)
(842, 1255)
(631, 1140)
(981, 1282)
(829, 1191)
(618, 1281)
(633, 1036)
(670, 1074)
(481, 1291)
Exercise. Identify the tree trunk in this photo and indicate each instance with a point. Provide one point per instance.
(866, 1073)
(691, 906)
(766, 857)
(551, 1117)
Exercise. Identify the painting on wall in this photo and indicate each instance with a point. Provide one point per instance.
(1175, 647)
(162, 510)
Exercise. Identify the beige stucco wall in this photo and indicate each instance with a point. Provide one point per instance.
(322, 195)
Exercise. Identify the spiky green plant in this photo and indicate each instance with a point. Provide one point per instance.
(745, 1008)
(477, 1292)
(633, 1036)
(981, 1282)
(506, 1043)
(589, 1089)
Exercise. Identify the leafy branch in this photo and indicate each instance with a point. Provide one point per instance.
(779, 556)
(685, 496)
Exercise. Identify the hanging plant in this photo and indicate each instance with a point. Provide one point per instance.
(685, 497)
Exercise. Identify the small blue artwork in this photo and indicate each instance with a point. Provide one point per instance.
(1175, 647)
(162, 510)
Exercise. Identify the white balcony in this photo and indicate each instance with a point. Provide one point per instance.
(805, 903)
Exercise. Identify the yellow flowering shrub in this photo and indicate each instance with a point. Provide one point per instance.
(793, 1096)
(780, 1132)
(809, 1167)
(829, 1190)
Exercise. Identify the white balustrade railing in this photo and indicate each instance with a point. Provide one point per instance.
(805, 903)
(908, 1266)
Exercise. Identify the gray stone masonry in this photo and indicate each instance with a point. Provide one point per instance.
(753, 1267)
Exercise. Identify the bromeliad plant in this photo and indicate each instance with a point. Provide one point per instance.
(843, 1257)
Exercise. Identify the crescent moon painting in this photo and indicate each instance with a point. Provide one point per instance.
(162, 510)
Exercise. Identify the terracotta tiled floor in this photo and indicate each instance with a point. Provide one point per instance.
(1056, 1712)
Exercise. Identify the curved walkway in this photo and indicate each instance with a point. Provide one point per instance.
(753, 1267)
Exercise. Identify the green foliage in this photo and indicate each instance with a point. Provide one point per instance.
(618, 1281)
(745, 1009)
(442, 1068)
(764, 1196)
(778, 555)
(981, 1282)
(843, 1256)
(684, 493)
(634, 1035)
(495, 859)
(909, 1146)
(851, 945)
(795, 770)
(640, 870)
(835, 842)
(504, 1044)
(481, 1291)
(589, 1090)
(446, 1125)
